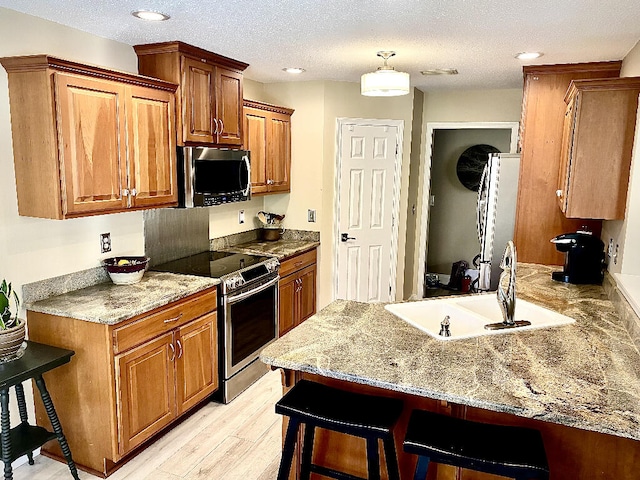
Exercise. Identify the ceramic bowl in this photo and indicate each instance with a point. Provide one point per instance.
(126, 270)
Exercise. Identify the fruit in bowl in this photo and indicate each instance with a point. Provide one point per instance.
(126, 270)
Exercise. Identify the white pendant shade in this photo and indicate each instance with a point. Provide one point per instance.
(384, 82)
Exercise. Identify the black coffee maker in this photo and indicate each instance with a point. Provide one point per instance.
(583, 258)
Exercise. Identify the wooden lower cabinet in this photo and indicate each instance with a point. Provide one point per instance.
(297, 290)
(145, 385)
(128, 381)
(572, 453)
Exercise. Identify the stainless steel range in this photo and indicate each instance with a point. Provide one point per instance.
(247, 311)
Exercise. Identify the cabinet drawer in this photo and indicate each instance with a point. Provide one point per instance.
(296, 263)
(169, 317)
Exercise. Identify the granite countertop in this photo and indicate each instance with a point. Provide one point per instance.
(584, 375)
(110, 304)
(280, 248)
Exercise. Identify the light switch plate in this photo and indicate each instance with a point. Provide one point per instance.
(311, 216)
(241, 217)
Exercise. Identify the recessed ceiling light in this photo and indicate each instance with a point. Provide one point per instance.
(294, 70)
(528, 55)
(440, 71)
(150, 15)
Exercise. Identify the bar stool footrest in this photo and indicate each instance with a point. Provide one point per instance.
(329, 472)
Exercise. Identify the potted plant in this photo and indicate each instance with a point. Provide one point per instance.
(12, 329)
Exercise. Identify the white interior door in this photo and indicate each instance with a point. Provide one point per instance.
(366, 205)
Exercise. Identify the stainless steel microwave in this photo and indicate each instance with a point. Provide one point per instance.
(212, 176)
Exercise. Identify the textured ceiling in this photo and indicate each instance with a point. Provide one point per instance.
(338, 39)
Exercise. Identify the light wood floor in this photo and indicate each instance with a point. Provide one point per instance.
(241, 440)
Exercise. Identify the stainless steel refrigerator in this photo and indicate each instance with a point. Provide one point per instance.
(496, 214)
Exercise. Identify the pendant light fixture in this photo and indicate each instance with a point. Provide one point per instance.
(385, 81)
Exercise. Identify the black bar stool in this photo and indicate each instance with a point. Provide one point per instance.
(366, 416)
(514, 452)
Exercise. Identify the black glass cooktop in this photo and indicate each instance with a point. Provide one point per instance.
(211, 264)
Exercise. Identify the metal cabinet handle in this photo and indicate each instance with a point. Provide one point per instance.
(134, 192)
(174, 319)
(173, 352)
(125, 192)
(221, 127)
(215, 130)
(179, 348)
(559, 193)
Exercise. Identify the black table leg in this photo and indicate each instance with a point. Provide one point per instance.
(55, 423)
(5, 438)
(22, 408)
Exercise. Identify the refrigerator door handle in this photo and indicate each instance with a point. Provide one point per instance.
(482, 200)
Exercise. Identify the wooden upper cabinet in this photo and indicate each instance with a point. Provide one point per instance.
(229, 107)
(86, 140)
(268, 137)
(538, 218)
(93, 158)
(210, 91)
(198, 96)
(599, 128)
(152, 148)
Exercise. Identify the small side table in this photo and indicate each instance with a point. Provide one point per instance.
(24, 438)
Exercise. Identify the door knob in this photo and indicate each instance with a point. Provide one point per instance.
(345, 237)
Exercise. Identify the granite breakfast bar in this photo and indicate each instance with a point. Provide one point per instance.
(578, 384)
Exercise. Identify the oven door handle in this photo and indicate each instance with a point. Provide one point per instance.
(241, 296)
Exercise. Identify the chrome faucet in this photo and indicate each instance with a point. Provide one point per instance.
(507, 300)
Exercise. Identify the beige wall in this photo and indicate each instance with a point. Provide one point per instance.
(626, 233)
(417, 153)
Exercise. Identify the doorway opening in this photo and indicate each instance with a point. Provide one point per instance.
(448, 219)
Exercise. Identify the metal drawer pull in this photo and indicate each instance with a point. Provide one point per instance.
(180, 348)
(173, 352)
(174, 319)
(297, 264)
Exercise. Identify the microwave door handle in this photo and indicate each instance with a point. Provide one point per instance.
(248, 164)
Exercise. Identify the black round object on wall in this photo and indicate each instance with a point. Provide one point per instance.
(471, 164)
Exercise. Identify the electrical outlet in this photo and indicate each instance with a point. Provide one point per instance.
(610, 248)
(615, 255)
(105, 242)
(311, 216)
(241, 217)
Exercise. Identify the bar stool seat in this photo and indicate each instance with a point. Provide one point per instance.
(515, 452)
(318, 405)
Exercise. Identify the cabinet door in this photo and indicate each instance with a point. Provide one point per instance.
(279, 153)
(92, 144)
(196, 361)
(198, 101)
(145, 382)
(306, 293)
(287, 306)
(228, 107)
(255, 140)
(152, 147)
(565, 155)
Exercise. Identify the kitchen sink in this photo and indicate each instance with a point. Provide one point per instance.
(468, 316)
